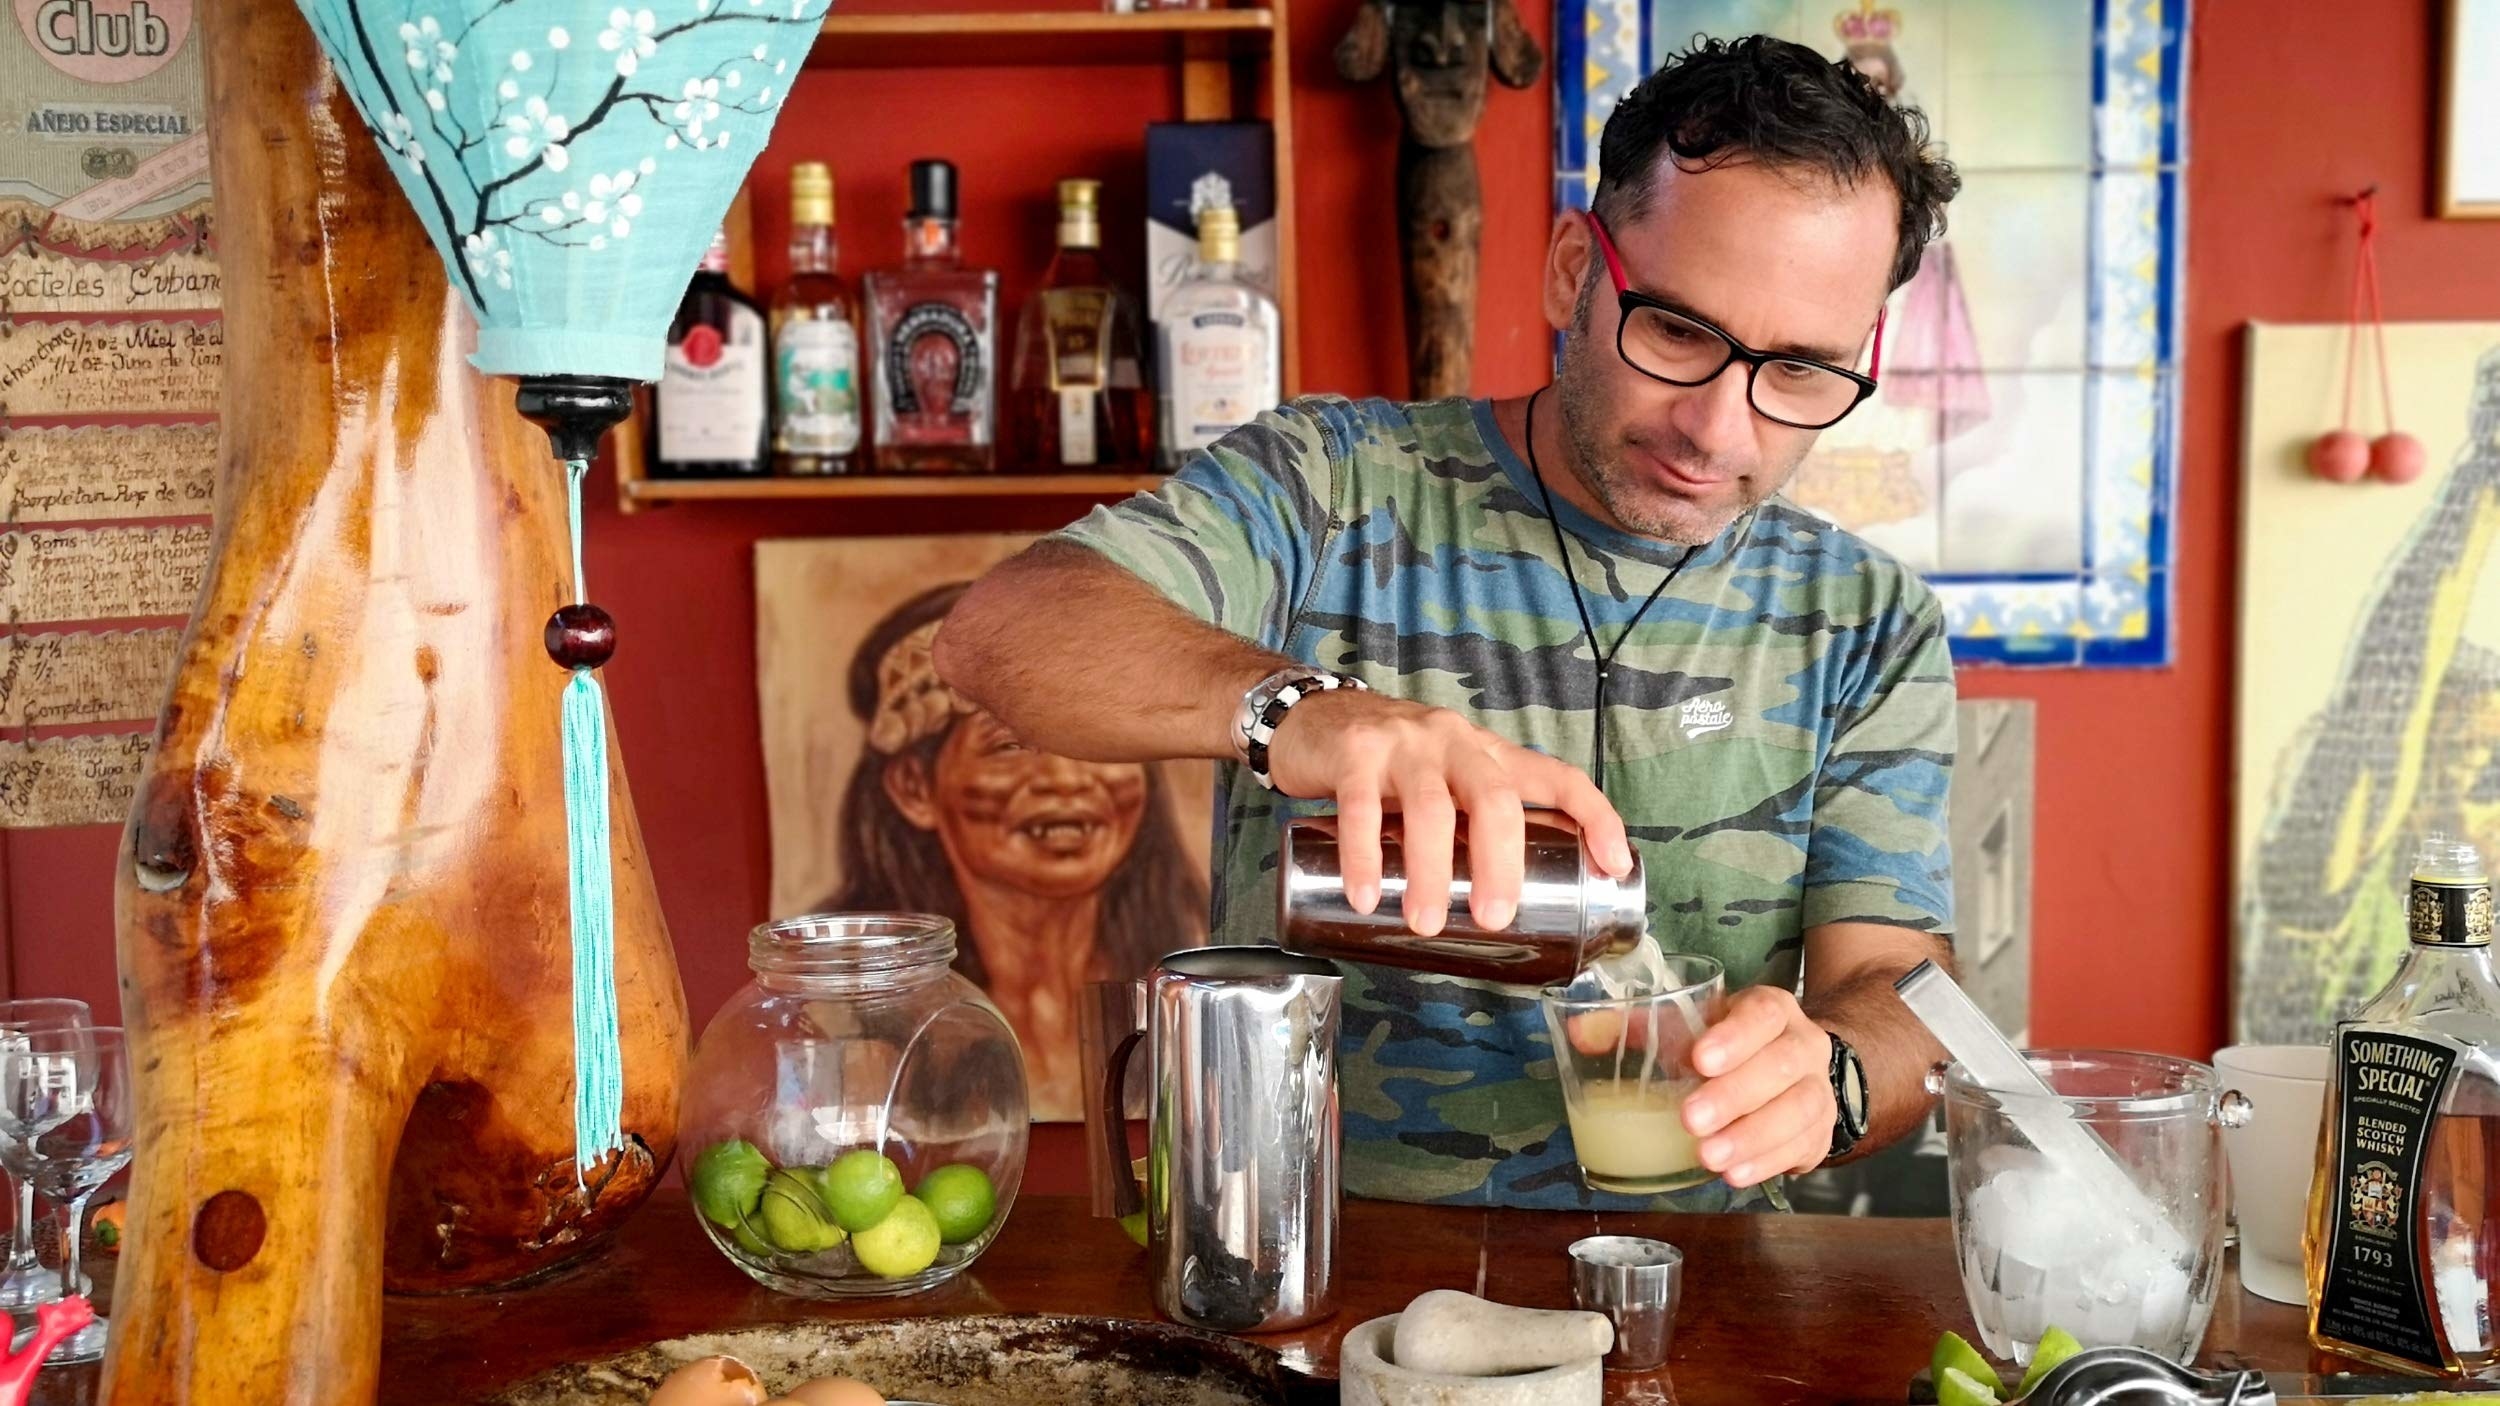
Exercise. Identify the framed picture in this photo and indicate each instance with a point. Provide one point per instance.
(2469, 112)
(2369, 668)
(889, 791)
(2022, 451)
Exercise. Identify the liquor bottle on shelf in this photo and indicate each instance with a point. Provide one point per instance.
(815, 340)
(2402, 1264)
(930, 339)
(1223, 345)
(710, 419)
(1080, 394)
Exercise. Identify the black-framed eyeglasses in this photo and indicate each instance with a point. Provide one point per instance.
(1683, 350)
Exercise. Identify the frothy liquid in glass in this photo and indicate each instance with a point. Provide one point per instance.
(1630, 1136)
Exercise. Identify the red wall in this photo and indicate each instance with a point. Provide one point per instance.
(2289, 104)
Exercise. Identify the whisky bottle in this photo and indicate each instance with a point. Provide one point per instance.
(815, 340)
(2402, 1248)
(1080, 395)
(1223, 346)
(710, 414)
(931, 330)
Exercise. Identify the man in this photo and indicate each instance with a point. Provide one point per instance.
(1594, 576)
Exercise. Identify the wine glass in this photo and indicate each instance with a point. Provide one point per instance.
(25, 1283)
(72, 1089)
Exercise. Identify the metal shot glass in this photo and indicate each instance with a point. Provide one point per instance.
(1638, 1283)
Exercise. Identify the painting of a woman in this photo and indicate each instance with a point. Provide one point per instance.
(1932, 357)
(1056, 872)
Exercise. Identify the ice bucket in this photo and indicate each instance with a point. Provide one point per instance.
(2043, 1247)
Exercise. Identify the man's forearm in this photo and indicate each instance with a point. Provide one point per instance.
(1081, 658)
(1893, 1044)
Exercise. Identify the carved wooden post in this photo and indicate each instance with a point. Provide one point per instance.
(1441, 51)
(343, 916)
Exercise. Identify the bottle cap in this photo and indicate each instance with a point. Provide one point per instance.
(2445, 859)
(1080, 216)
(811, 193)
(1219, 234)
(933, 190)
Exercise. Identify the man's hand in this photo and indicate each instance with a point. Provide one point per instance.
(1767, 1108)
(1373, 752)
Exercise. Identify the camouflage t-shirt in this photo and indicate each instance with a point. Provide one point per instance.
(1779, 735)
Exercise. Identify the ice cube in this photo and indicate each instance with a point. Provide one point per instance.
(2108, 1319)
(2163, 1325)
(2022, 1291)
(1996, 1159)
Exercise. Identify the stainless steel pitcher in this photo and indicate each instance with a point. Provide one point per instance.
(1570, 912)
(1241, 1171)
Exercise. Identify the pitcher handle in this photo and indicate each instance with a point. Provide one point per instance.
(1111, 1131)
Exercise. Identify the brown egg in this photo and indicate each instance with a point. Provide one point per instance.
(711, 1381)
(836, 1391)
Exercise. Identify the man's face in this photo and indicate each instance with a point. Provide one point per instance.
(1035, 822)
(1785, 263)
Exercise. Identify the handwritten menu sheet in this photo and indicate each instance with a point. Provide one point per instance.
(112, 360)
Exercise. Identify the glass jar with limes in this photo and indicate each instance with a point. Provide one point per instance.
(857, 1114)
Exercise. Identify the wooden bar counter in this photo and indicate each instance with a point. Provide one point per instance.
(1776, 1308)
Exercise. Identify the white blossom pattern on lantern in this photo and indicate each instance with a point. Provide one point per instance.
(628, 36)
(489, 131)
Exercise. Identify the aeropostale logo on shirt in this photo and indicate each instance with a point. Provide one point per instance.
(1703, 716)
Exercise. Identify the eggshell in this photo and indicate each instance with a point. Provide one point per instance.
(711, 1381)
(836, 1391)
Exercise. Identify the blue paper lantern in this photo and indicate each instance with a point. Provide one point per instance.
(571, 159)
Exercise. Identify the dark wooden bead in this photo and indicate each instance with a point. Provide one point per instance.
(580, 636)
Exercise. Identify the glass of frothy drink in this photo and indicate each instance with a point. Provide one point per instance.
(1623, 1048)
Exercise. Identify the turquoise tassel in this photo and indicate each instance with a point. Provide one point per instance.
(598, 1063)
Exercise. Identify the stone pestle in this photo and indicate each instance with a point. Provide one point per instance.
(1454, 1334)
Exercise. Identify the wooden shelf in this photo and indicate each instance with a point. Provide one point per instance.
(1003, 485)
(1230, 65)
(1041, 38)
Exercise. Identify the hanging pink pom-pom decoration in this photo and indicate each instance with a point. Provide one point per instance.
(2342, 455)
(2396, 457)
(2339, 456)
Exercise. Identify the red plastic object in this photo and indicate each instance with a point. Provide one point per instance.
(2397, 457)
(2339, 456)
(53, 1322)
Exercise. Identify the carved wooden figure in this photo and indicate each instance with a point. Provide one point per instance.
(343, 912)
(1440, 52)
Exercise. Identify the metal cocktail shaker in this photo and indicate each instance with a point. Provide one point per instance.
(1242, 1180)
(1570, 913)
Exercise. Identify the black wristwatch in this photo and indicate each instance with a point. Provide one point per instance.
(1849, 1092)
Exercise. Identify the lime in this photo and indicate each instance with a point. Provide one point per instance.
(1959, 1388)
(794, 1218)
(962, 1199)
(728, 1180)
(1135, 1224)
(2056, 1345)
(751, 1242)
(902, 1243)
(1954, 1353)
(860, 1187)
